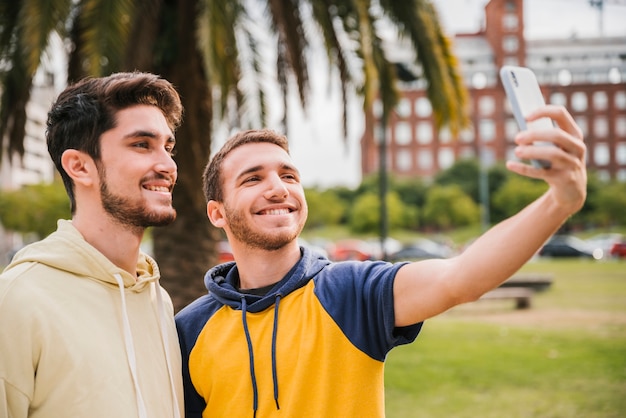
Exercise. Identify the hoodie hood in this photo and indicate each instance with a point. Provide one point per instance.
(222, 282)
(66, 250)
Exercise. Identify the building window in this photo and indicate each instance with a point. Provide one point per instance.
(378, 133)
(377, 109)
(445, 158)
(467, 135)
(423, 109)
(510, 22)
(479, 81)
(424, 160)
(444, 135)
(615, 77)
(510, 6)
(581, 121)
(403, 109)
(558, 99)
(601, 154)
(403, 133)
(510, 43)
(564, 77)
(486, 130)
(620, 126)
(600, 100)
(601, 127)
(620, 153)
(403, 160)
(620, 100)
(510, 129)
(621, 175)
(486, 105)
(424, 132)
(579, 101)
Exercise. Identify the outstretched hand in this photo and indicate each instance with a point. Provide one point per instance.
(567, 176)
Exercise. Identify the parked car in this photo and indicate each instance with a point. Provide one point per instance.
(604, 243)
(350, 249)
(568, 246)
(421, 249)
(619, 249)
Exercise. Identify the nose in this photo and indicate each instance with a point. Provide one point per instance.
(166, 163)
(276, 188)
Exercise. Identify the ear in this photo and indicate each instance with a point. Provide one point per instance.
(214, 211)
(79, 166)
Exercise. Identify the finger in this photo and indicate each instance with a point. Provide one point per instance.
(561, 116)
(535, 141)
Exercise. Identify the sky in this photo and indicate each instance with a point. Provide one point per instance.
(317, 143)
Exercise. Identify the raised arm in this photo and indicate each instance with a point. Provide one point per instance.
(426, 288)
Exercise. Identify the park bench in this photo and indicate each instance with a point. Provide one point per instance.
(521, 288)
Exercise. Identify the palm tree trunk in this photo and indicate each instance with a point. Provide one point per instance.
(187, 248)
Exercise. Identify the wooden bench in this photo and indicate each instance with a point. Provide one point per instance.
(521, 287)
(522, 295)
(539, 282)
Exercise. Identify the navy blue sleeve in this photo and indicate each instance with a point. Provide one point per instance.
(359, 297)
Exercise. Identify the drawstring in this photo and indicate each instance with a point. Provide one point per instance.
(255, 391)
(274, 334)
(166, 346)
(130, 349)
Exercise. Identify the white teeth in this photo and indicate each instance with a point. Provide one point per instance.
(158, 189)
(277, 212)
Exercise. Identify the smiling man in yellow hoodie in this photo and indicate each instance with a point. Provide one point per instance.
(85, 328)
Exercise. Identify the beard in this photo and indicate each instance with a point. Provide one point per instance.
(242, 231)
(132, 212)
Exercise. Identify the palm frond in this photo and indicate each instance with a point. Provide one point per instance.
(287, 23)
(418, 21)
(103, 29)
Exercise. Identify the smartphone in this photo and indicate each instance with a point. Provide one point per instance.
(523, 91)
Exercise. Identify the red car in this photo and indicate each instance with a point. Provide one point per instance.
(619, 249)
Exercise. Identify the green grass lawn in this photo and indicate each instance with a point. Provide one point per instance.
(563, 357)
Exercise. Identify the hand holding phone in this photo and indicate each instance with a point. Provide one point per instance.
(524, 94)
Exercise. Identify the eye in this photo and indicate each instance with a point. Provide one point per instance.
(142, 144)
(290, 177)
(171, 151)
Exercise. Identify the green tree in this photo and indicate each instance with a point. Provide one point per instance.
(207, 48)
(449, 206)
(516, 194)
(364, 217)
(34, 208)
(325, 208)
(610, 205)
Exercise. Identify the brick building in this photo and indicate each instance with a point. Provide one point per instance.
(588, 76)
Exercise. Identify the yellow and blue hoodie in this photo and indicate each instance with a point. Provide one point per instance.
(82, 338)
(313, 346)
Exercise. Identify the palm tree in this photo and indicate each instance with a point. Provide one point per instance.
(206, 47)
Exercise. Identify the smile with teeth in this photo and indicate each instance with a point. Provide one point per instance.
(283, 211)
(157, 188)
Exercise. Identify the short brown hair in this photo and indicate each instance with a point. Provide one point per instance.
(212, 176)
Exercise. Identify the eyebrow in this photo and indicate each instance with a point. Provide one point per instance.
(256, 168)
(148, 134)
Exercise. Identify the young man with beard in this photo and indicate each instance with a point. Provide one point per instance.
(286, 332)
(85, 328)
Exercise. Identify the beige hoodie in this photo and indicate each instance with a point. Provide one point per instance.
(80, 337)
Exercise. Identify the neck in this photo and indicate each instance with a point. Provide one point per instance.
(119, 243)
(259, 268)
